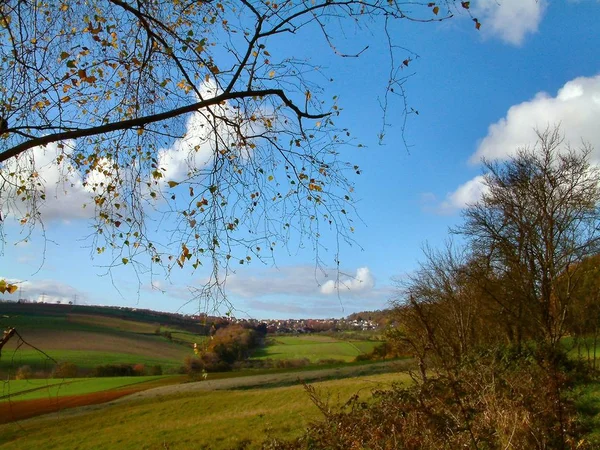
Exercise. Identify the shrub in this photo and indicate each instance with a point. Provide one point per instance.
(139, 369)
(65, 370)
(487, 404)
(114, 370)
(24, 373)
(156, 370)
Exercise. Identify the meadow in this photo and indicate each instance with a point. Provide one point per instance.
(188, 420)
(314, 348)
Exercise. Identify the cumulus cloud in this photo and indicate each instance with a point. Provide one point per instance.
(575, 107)
(61, 184)
(298, 281)
(510, 20)
(362, 282)
(466, 194)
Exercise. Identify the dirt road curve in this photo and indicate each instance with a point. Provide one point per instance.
(267, 380)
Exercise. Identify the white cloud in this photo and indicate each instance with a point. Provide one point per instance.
(510, 20)
(48, 291)
(298, 281)
(61, 184)
(204, 135)
(575, 107)
(466, 194)
(361, 283)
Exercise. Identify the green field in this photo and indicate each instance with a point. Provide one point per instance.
(314, 348)
(87, 340)
(195, 420)
(18, 390)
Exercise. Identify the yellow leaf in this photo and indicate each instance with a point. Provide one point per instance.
(172, 184)
(436, 10)
(12, 288)
(271, 74)
(315, 187)
(270, 178)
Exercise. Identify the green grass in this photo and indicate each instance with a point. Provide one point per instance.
(35, 389)
(209, 420)
(314, 348)
(82, 359)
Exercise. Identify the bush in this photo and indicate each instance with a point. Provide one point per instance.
(114, 370)
(24, 373)
(156, 370)
(139, 369)
(487, 404)
(65, 370)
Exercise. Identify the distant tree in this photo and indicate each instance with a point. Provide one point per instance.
(106, 87)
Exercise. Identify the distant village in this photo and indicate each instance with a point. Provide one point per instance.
(361, 321)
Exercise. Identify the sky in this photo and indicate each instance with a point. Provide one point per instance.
(479, 93)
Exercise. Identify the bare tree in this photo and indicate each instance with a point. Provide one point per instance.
(537, 220)
(107, 87)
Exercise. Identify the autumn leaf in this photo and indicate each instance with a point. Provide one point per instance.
(436, 10)
(172, 184)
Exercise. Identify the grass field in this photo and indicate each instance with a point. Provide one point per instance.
(20, 390)
(195, 420)
(89, 340)
(314, 348)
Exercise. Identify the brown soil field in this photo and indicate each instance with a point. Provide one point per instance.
(16, 411)
(103, 342)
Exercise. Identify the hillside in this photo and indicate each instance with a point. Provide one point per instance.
(92, 336)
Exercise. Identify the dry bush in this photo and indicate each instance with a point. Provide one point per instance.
(491, 402)
(24, 373)
(65, 370)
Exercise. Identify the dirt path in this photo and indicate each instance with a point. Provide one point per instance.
(268, 380)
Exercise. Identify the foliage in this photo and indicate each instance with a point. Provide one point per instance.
(536, 221)
(191, 109)
(65, 370)
(490, 403)
(485, 322)
(116, 370)
(23, 373)
(228, 345)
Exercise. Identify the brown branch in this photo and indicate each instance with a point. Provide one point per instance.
(6, 337)
(142, 121)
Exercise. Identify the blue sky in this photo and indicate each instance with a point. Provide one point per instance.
(478, 93)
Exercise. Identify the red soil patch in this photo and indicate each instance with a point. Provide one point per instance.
(13, 411)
